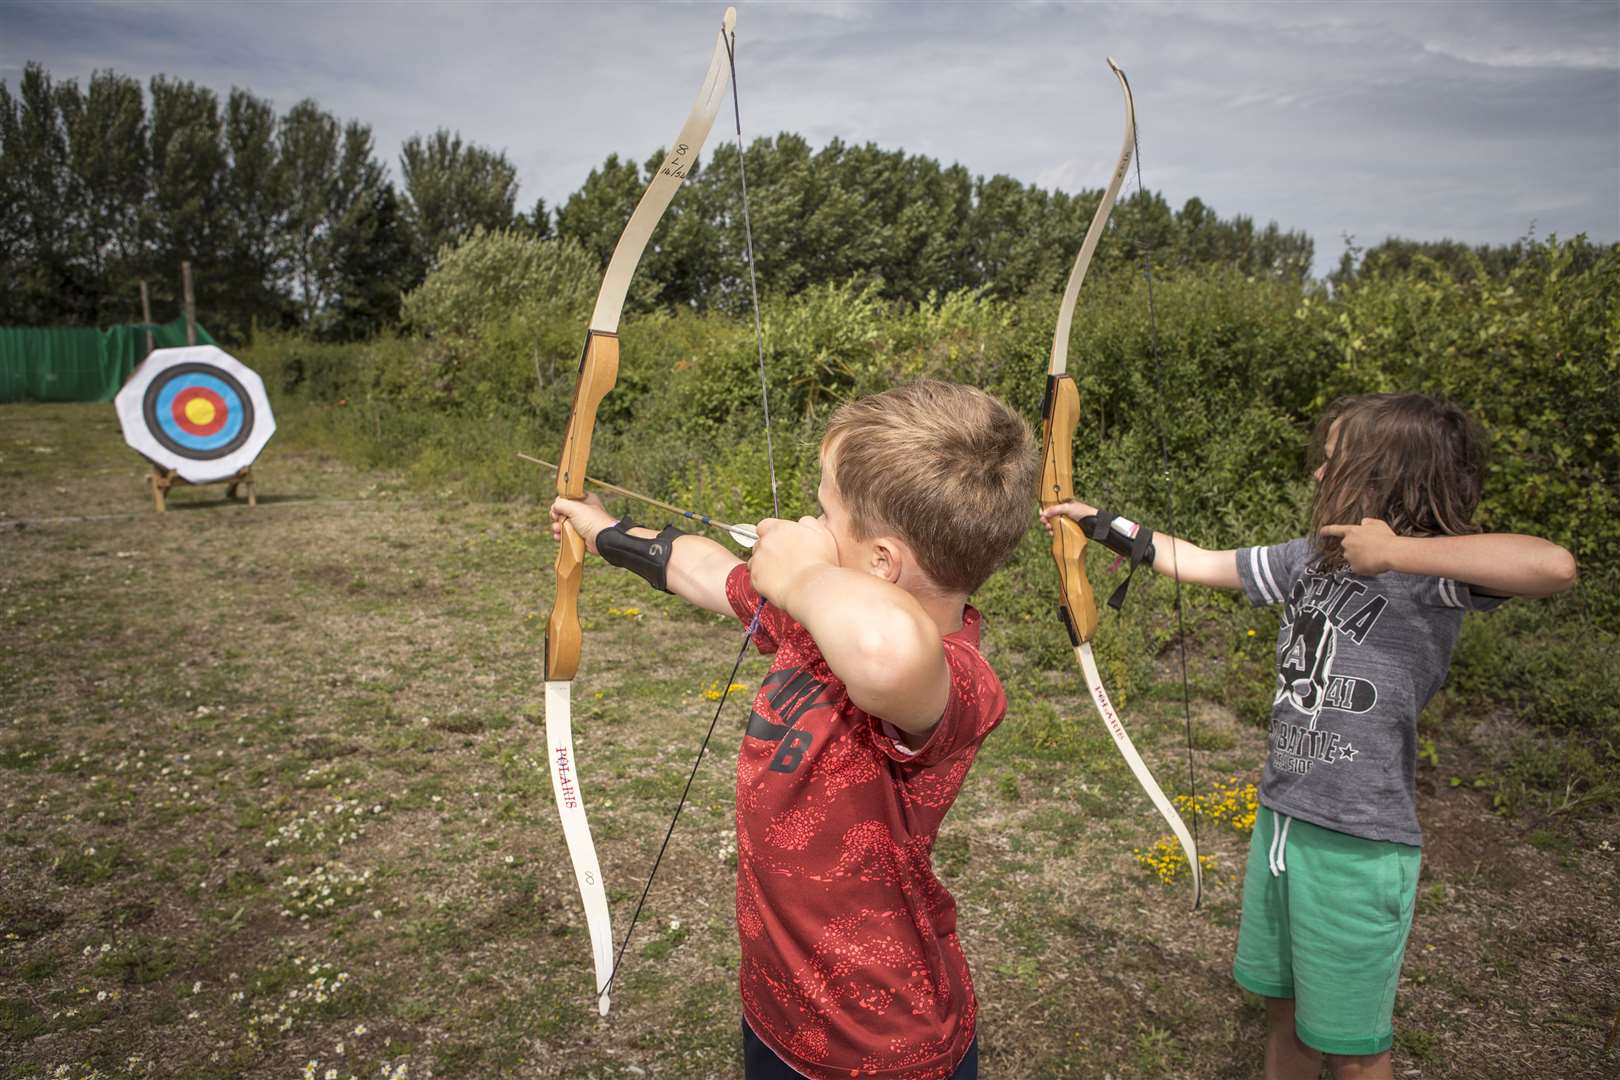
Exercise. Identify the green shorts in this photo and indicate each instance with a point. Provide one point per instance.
(1328, 930)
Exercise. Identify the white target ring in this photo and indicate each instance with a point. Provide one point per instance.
(196, 410)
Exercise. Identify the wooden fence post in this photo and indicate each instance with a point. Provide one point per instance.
(191, 303)
(146, 316)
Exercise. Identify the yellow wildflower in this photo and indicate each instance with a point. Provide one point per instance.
(713, 691)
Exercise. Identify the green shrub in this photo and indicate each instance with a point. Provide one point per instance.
(491, 275)
(1535, 356)
(310, 370)
(501, 318)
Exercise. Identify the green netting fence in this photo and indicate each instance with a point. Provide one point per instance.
(79, 363)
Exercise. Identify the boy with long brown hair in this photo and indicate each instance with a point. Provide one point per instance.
(863, 731)
(1373, 601)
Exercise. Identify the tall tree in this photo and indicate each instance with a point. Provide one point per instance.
(1008, 235)
(679, 261)
(594, 216)
(537, 222)
(293, 220)
(342, 237)
(782, 191)
(13, 230)
(186, 211)
(452, 188)
(254, 198)
(109, 157)
(307, 141)
(369, 245)
(34, 144)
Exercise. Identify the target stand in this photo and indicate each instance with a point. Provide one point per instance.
(198, 416)
(160, 480)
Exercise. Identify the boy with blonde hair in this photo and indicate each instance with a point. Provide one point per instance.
(864, 729)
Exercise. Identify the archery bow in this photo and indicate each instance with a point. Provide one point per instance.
(598, 370)
(1060, 415)
(776, 511)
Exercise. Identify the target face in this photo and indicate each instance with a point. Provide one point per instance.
(196, 410)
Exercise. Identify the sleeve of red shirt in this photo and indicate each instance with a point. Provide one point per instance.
(975, 706)
(745, 601)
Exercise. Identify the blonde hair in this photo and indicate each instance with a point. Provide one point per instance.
(1415, 462)
(947, 468)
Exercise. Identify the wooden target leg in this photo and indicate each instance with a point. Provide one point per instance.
(243, 479)
(160, 481)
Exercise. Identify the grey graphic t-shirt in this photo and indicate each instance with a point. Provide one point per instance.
(1357, 659)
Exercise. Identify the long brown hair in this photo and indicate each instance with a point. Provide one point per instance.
(1413, 461)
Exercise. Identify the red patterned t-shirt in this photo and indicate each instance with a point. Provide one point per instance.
(850, 960)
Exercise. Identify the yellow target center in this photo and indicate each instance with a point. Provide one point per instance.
(200, 411)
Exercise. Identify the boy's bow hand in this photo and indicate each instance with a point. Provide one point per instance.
(1369, 548)
(787, 553)
(587, 515)
(1074, 510)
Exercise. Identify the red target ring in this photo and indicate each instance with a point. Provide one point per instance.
(199, 411)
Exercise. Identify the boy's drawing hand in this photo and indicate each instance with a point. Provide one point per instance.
(1369, 548)
(1074, 510)
(587, 515)
(785, 552)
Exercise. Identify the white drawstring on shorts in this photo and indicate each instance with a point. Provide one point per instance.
(1279, 840)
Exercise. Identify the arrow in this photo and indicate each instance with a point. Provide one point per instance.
(744, 535)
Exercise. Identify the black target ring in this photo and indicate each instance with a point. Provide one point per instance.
(198, 411)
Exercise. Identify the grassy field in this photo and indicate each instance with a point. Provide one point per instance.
(276, 805)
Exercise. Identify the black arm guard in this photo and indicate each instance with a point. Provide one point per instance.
(648, 559)
(1138, 549)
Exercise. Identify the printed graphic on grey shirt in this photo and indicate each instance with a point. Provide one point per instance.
(1357, 659)
(1320, 611)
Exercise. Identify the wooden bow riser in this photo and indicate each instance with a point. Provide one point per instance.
(1060, 417)
(598, 371)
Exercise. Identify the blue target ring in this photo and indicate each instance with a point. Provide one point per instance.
(198, 411)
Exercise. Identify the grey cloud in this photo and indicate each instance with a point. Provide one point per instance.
(1467, 120)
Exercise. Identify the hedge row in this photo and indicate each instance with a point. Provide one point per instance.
(1206, 380)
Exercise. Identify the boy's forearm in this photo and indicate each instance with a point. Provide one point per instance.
(1502, 564)
(1172, 556)
(877, 639)
(697, 570)
(838, 606)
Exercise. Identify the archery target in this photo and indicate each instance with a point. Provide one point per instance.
(196, 410)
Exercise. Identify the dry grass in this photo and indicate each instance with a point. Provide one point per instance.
(203, 712)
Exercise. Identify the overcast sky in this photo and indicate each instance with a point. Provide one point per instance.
(1469, 120)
